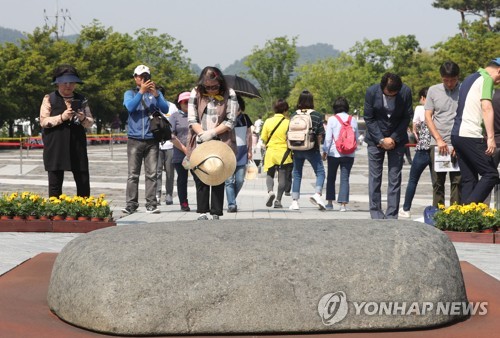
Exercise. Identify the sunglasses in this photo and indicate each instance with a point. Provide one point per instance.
(211, 88)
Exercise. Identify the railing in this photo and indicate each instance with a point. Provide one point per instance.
(35, 142)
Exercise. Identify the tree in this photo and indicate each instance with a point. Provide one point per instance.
(470, 52)
(166, 58)
(330, 78)
(485, 9)
(104, 62)
(27, 72)
(272, 67)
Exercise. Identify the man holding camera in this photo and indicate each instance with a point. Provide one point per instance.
(141, 146)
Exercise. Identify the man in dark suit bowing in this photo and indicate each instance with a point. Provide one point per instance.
(388, 111)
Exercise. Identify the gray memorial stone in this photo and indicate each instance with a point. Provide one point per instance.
(258, 276)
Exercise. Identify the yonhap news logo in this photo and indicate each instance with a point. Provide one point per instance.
(333, 308)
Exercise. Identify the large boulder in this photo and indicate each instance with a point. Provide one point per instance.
(257, 276)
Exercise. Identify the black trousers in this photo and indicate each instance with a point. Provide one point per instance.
(82, 180)
(284, 179)
(473, 163)
(209, 199)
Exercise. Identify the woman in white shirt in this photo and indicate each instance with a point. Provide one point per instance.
(336, 159)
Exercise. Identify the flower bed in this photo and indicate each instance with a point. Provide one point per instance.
(30, 212)
(29, 204)
(473, 217)
(473, 223)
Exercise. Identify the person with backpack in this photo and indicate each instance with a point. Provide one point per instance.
(141, 144)
(242, 131)
(339, 149)
(278, 157)
(305, 134)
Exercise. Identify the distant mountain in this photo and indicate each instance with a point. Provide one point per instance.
(10, 35)
(307, 54)
(313, 53)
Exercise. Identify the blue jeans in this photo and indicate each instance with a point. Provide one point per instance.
(421, 160)
(345, 164)
(234, 184)
(139, 151)
(314, 158)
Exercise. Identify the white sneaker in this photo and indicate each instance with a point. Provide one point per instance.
(295, 205)
(344, 208)
(404, 214)
(317, 201)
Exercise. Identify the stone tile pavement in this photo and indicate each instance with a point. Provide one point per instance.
(108, 166)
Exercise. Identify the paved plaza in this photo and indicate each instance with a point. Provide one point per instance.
(24, 171)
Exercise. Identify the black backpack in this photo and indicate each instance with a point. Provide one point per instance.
(159, 126)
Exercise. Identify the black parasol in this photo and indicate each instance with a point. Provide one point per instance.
(242, 86)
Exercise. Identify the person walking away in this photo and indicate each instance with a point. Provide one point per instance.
(335, 158)
(440, 111)
(388, 111)
(243, 132)
(278, 157)
(180, 127)
(422, 157)
(257, 130)
(141, 146)
(212, 111)
(475, 154)
(313, 156)
(64, 115)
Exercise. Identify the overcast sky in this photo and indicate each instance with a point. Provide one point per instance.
(223, 31)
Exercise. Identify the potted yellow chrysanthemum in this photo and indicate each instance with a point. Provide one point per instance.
(473, 217)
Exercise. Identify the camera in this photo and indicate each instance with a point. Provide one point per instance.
(146, 77)
(76, 104)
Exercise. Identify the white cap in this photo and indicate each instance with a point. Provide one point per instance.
(141, 69)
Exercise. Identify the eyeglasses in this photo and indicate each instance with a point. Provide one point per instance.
(212, 88)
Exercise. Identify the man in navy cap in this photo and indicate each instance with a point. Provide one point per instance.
(475, 152)
(64, 115)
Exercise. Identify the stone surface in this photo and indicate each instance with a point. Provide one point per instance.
(253, 276)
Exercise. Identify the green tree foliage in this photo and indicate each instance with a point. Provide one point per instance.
(105, 61)
(470, 52)
(272, 67)
(27, 72)
(165, 56)
(485, 9)
(350, 74)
